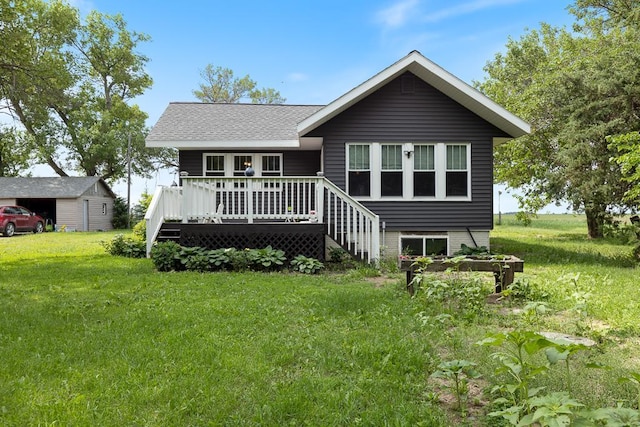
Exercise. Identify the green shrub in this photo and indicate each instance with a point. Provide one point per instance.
(303, 264)
(165, 256)
(219, 259)
(240, 260)
(338, 255)
(267, 258)
(125, 246)
(140, 229)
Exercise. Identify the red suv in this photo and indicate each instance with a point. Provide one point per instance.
(17, 218)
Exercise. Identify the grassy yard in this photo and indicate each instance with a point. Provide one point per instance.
(91, 339)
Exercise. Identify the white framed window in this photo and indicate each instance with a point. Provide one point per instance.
(213, 165)
(391, 175)
(234, 164)
(424, 245)
(424, 170)
(271, 165)
(457, 175)
(409, 171)
(359, 169)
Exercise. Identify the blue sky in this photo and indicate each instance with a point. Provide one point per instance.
(312, 51)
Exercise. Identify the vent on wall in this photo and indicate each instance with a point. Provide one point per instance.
(408, 84)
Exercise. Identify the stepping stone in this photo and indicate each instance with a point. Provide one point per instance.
(567, 339)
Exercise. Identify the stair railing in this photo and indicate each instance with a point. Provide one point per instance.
(350, 223)
(166, 205)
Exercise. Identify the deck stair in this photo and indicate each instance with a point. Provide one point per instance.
(169, 232)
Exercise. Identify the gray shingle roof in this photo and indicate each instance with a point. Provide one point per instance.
(196, 121)
(46, 188)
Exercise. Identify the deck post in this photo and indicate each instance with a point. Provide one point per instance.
(249, 199)
(186, 199)
(320, 199)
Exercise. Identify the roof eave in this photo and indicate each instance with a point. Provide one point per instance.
(224, 145)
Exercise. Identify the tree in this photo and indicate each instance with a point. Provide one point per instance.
(220, 86)
(627, 147)
(16, 152)
(575, 89)
(70, 85)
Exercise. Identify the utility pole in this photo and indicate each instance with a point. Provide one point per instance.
(499, 210)
(129, 182)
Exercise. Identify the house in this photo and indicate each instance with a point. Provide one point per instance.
(77, 203)
(403, 162)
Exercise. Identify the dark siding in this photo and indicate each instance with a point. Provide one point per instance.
(424, 115)
(300, 163)
(294, 163)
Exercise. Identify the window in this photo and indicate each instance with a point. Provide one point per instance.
(104, 209)
(240, 164)
(409, 171)
(271, 165)
(234, 164)
(359, 172)
(456, 170)
(391, 170)
(213, 165)
(424, 171)
(424, 245)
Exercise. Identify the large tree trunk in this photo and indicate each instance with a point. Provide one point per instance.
(595, 221)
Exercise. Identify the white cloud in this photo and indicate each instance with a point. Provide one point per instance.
(297, 77)
(465, 9)
(397, 14)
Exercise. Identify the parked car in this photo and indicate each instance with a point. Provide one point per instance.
(18, 219)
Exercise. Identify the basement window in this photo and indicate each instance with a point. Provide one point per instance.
(424, 245)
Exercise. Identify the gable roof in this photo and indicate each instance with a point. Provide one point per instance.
(67, 187)
(437, 77)
(197, 124)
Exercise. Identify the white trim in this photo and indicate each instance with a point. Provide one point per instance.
(437, 77)
(219, 145)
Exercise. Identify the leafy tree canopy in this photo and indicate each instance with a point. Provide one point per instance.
(575, 88)
(221, 86)
(70, 85)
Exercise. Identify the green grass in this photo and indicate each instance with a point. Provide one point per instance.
(91, 339)
(556, 248)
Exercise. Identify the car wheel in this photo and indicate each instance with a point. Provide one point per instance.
(9, 229)
(39, 228)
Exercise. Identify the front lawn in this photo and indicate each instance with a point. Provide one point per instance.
(91, 339)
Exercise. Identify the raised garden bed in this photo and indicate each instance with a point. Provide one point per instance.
(503, 267)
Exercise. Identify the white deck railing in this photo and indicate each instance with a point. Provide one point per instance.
(213, 199)
(166, 205)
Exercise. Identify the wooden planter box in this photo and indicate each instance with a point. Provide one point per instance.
(503, 268)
